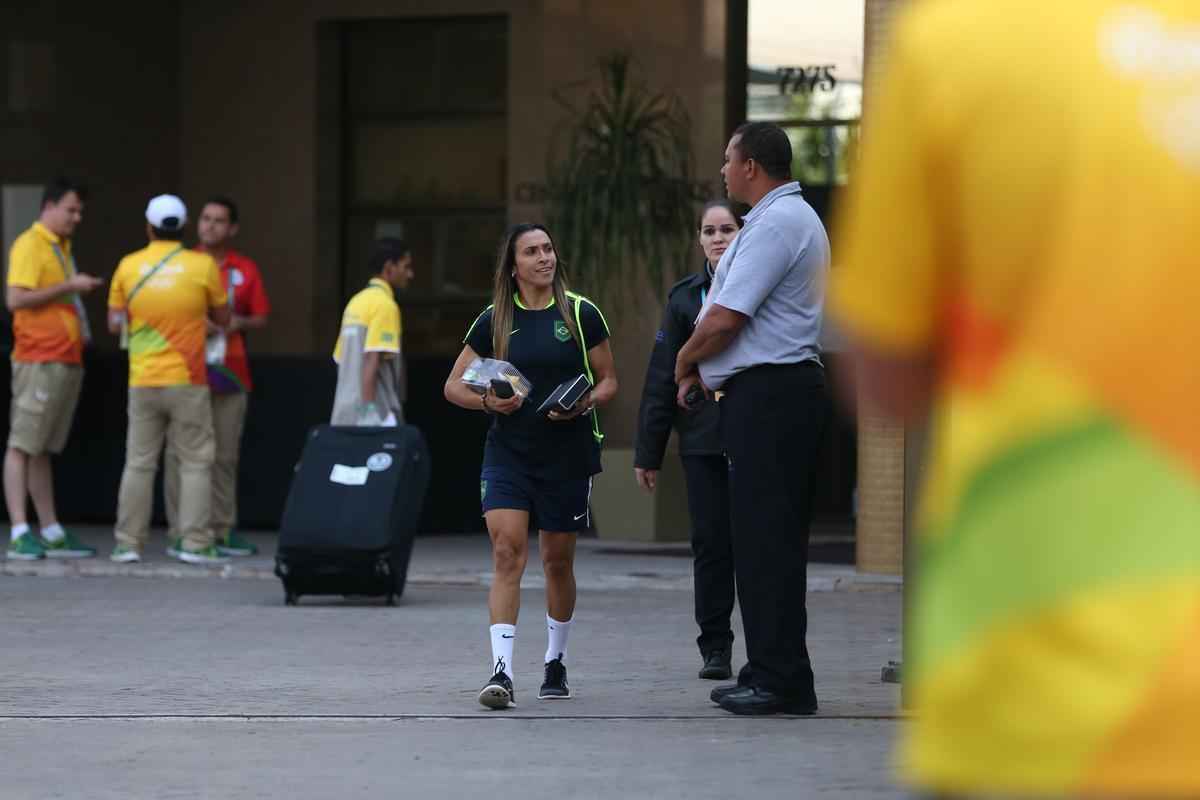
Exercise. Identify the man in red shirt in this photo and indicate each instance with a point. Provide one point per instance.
(228, 373)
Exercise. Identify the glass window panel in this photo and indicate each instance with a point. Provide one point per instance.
(472, 64)
(428, 67)
(426, 150)
(823, 154)
(805, 59)
(470, 255)
(443, 163)
(390, 69)
(363, 230)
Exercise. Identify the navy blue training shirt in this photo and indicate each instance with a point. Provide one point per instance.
(542, 348)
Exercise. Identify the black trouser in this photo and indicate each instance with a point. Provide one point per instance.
(773, 419)
(712, 549)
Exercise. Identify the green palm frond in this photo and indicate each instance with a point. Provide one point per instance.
(621, 195)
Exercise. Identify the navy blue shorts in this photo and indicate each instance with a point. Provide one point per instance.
(560, 506)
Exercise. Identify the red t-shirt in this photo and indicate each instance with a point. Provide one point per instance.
(248, 298)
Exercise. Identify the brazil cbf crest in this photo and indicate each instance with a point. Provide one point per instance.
(561, 331)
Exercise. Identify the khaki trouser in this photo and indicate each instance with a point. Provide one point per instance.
(229, 418)
(44, 396)
(182, 416)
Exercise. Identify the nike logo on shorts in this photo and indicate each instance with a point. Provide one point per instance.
(581, 516)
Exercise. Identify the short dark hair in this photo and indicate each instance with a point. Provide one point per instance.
(59, 187)
(227, 202)
(172, 235)
(768, 145)
(385, 250)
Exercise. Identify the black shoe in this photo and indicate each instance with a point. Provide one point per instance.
(555, 686)
(718, 666)
(755, 701)
(720, 692)
(498, 692)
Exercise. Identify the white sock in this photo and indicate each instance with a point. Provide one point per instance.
(503, 637)
(53, 533)
(556, 634)
(19, 530)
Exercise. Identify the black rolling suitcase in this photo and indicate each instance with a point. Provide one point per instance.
(352, 511)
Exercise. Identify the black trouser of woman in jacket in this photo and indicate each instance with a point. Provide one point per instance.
(707, 479)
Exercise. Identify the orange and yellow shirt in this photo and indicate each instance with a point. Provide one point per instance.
(1027, 213)
(167, 315)
(51, 332)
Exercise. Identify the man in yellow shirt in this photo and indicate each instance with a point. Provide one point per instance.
(370, 388)
(49, 332)
(1021, 256)
(159, 301)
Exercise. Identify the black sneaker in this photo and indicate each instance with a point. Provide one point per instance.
(555, 686)
(718, 666)
(498, 692)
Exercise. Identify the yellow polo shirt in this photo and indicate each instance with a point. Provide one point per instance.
(1027, 214)
(167, 317)
(51, 332)
(375, 309)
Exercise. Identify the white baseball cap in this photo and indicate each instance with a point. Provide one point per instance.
(166, 212)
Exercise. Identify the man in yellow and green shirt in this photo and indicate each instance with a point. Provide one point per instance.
(370, 387)
(1021, 256)
(49, 333)
(160, 300)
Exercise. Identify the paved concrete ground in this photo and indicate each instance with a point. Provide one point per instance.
(449, 560)
(112, 687)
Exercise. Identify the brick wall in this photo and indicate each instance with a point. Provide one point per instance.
(883, 481)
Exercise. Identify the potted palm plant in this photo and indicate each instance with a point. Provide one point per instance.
(621, 198)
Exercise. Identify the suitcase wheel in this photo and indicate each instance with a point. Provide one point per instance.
(290, 599)
(391, 599)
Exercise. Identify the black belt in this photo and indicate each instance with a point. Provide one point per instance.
(808, 363)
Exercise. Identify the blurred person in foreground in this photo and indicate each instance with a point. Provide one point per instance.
(228, 375)
(1021, 257)
(705, 468)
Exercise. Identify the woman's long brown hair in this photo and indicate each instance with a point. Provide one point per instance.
(505, 288)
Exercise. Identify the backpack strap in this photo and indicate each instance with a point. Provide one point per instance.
(587, 367)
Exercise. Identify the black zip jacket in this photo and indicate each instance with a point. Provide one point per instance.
(699, 433)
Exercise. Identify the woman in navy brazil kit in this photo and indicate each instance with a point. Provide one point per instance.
(537, 469)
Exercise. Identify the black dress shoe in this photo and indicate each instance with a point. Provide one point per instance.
(724, 691)
(718, 666)
(755, 701)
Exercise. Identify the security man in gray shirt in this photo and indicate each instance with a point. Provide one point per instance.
(756, 347)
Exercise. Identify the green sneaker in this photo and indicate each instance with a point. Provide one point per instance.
(26, 547)
(234, 544)
(67, 547)
(209, 556)
(175, 547)
(125, 555)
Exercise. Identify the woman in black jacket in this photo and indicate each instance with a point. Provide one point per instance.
(704, 465)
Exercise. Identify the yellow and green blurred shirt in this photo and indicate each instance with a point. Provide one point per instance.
(1027, 211)
(50, 332)
(167, 318)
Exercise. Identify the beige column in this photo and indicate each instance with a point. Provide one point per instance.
(885, 475)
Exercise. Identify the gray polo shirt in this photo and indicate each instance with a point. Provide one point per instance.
(774, 272)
